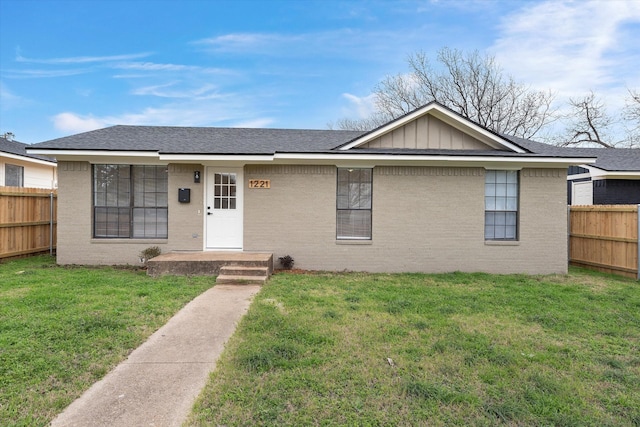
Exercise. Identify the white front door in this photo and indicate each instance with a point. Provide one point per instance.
(224, 208)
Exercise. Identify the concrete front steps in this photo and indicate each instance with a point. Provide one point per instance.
(230, 267)
(240, 275)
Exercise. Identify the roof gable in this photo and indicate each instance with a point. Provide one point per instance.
(433, 126)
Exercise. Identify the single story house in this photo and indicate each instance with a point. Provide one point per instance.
(428, 192)
(21, 169)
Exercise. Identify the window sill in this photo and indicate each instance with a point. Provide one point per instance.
(502, 243)
(354, 242)
(128, 241)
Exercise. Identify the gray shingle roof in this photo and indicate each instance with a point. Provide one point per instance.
(203, 140)
(210, 140)
(609, 159)
(250, 141)
(19, 149)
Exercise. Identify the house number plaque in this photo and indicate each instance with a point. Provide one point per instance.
(259, 183)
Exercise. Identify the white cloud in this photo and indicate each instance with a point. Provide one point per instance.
(359, 107)
(255, 123)
(152, 66)
(340, 43)
(167, 90)
(74, 123)
(81, 59)
(9, 100)
(244, 41)
(188, 112)
(571, 47)
(43, 74)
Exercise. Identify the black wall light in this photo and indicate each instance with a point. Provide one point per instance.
(196, 177)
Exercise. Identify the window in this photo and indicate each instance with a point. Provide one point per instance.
(130, 201)
(353, 218)
(501, 205)
(13, 175)
(224, 186)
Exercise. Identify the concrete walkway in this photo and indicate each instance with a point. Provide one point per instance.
(159, 382)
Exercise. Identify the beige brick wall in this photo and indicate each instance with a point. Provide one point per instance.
(424, 219)
(74, 213)
(75, 242)
(186, 219)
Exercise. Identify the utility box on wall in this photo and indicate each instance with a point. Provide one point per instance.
(184, 195)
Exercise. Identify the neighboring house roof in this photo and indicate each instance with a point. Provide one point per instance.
(607, 159)
(16, 148)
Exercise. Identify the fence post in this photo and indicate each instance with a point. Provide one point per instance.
(638, 241)
(568, 235)
(51, 223)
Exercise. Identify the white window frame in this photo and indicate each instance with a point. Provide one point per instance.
(10, 175)
(354, 203)
(502, 205)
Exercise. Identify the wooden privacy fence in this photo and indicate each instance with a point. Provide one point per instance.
(604, 238)
(27, 221)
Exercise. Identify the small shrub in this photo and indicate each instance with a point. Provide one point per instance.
(286, 262)
(150, 252)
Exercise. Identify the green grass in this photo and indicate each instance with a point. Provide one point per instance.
(451, 349)
(63, 328)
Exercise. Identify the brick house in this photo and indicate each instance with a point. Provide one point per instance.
(428, 192)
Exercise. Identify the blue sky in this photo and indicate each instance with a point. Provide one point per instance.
(73, 66)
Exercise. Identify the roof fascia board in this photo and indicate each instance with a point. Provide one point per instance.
(428, 160)
(215, 158)
(597, 173)
(577, 176)
(92, 153)
(27, 159)
(448, 117)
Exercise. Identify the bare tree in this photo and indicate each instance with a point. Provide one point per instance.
(365, 124)
(470, 84)
(589, 123)
(632, 117)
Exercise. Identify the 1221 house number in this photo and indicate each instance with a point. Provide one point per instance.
(259, 183)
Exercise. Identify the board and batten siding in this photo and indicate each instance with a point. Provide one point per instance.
(425, 219)
(427, 132)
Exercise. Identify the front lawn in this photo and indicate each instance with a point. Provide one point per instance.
(451, 349)
(63, 328)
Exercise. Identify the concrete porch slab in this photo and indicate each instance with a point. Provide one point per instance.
(205, 263)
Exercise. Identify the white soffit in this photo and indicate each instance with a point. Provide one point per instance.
(597, 173)
(447, 116)
(216, 158)
(27, 159)
(428, 160)
(91, 153)
(101, 156)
